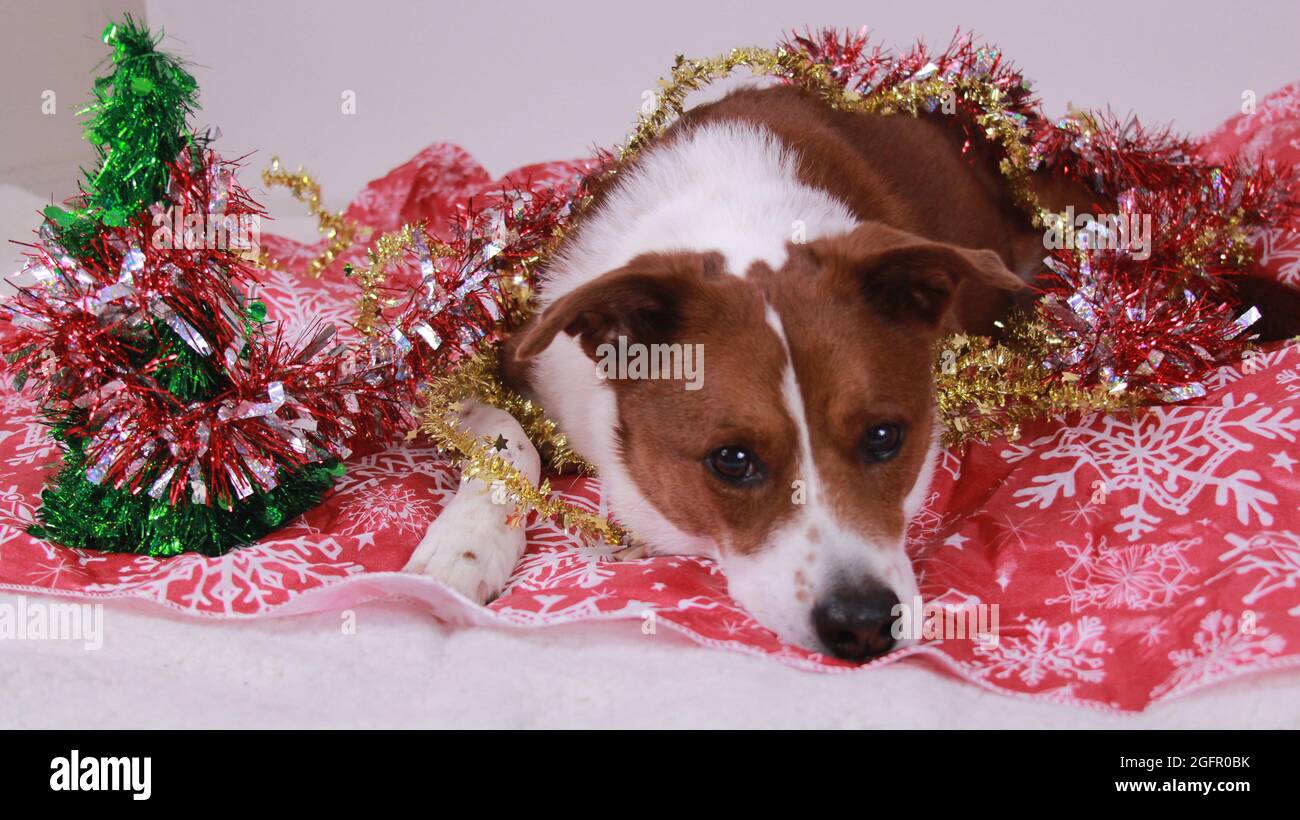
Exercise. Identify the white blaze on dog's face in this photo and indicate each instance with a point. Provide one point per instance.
(809, 443)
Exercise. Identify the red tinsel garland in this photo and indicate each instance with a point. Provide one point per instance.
(452, 290)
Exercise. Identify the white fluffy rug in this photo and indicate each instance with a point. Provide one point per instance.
(402, 669)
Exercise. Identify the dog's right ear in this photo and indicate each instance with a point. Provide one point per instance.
(904, 276)
(640, 301)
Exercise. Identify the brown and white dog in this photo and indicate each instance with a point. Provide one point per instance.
(814, 256)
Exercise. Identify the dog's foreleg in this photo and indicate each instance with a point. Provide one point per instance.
(473, 545)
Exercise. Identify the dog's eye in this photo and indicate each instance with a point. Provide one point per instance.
(735, 465)
(882, 442)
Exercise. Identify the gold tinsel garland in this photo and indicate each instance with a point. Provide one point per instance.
(341, 232)
(386, 250)
(477, 379)
(983, 389)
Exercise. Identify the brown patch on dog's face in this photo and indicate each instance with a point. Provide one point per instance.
(668, 432)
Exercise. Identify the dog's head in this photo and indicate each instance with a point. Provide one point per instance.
(807, 441)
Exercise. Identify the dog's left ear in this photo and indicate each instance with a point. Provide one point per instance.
(640, 301)
(905, 276)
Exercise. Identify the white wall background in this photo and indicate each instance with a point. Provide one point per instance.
(519, 82)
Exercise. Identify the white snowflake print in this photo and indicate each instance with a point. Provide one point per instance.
(1271, 126)
(397, 463)
(386, 508)
(1014, 530)
(926, 524)
(1280, 247)
(923, 544)
(1137, 577)
(36, 446)
(566, 608)
(248, 580)
(1289, 380)
(1274, 555)
(584, 565)
(950, 462)
(1257, 361)
(1219, 650)
(64, 561)
(955, 600)
(15, 404)
(1071, 651)
(1083, 514)
(735, 622)
(1162, 458)
(17, 513)
(1156, 632)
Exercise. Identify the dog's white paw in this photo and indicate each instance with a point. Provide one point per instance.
(471, 546)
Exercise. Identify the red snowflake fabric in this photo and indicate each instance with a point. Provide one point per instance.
(1132, 559)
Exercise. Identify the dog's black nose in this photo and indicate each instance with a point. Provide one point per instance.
(856, 624)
